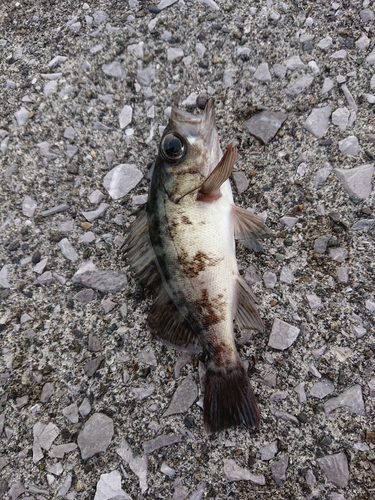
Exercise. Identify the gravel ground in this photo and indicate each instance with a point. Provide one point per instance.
(84, 389)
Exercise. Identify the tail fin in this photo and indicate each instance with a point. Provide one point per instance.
(229, 399)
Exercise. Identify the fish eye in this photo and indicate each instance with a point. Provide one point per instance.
(172, 148)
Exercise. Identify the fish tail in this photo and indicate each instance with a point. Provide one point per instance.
(229, 399)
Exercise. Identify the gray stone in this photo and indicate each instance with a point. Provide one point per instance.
(366, 15)
(138, 464)
(339, 54)
(185, 395)
(69, 133)
(46, 278)
(325, 43)
(283, 415)
(338, 254)
(268, 451)
(143, 392)
(147, 356)
(100, 16)
(109, 156)
(289, 221)
(300, 390)
(350, 99)
(125, 116)
(67, 250)
(350, 146)
(320, 244)
(318, 120)
(40, 267)
(71, 413)
(85, 408)
(146, 75)
(294, 63)
(44, 435)
(47, 392)
(96, 214)
(328, 85)
(166, 3)
(214, 6)
(160, 442)
(100, 126)
(16, 490)
(228, 79)
(94, 344)
(66, 226)
(108, 305)
(234, 472)
(122, 179)
(363, 225)
(114, 70)
(262, 73)
(279, 70)
(168, 471)
(28, 206)
(65, 487)
(61, 450)
(136, 49)
(265, 125)
(340, 117)
(174, 53)
(56, 61)
(322, 175)
(241, 181)
(322, 388)
(269, 279)
(359, 331)
(299, 85)
(363, 42)
(109, 487)
(92, 366)
(55, 210)
(95, 436)
(370, 306)
(351, 400)
(71, 150)
(96, 196)
(88, 237)
(314, 301)
(22, 116)
(282, 335)
(335, 467)
(356, 181)
(102, 280)
(342, 275)
(286, 275)
(278, 470)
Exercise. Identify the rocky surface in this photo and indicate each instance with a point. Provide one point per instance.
(90, 405)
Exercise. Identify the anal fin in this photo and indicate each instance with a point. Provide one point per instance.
(167, 324)
(249, 228)
(247, 315)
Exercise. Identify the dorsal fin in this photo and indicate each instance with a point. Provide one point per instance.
(210, 189)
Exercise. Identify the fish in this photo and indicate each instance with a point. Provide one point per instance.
(182, 245)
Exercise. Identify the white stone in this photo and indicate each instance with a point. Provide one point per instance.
(350, 146)
(125, 116)
(340, 117)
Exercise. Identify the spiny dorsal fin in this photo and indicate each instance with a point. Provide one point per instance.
(247, 315)
(140, 254)
(210, 189)
(248, 228)
(167, 324)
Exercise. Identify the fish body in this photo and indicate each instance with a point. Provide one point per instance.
(184, 244)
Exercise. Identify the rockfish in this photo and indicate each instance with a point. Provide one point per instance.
(183, 244)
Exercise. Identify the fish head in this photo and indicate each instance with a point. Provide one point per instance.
(188, 152)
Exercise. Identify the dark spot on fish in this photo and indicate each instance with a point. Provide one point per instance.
(222, 354)
(192, 267)
(186, 220)
(210, 311)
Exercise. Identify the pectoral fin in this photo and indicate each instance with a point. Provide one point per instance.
(247, 315)
(167, 324)
(248, 228)
(210, 189)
